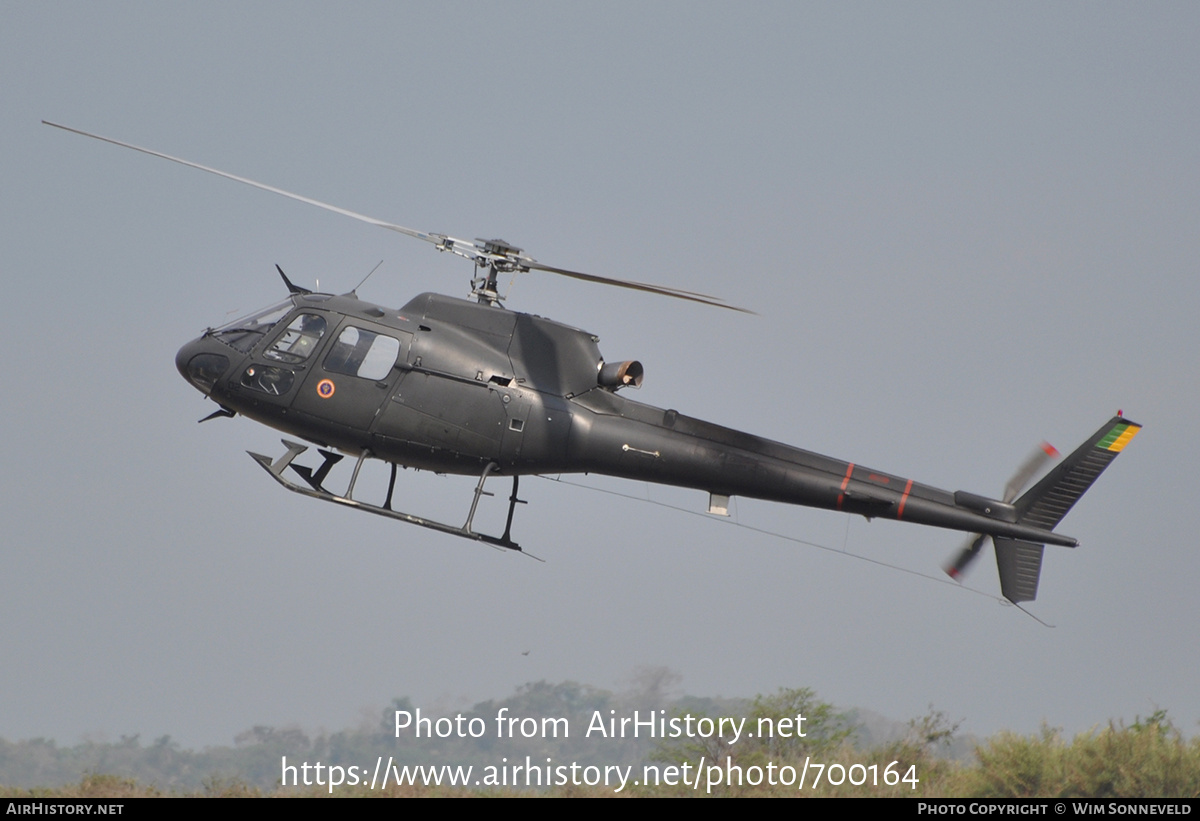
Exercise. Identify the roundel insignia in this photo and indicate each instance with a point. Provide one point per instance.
(325, 388)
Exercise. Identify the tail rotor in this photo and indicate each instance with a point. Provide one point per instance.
(1024, 474)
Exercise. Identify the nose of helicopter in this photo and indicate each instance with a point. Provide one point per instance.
(201, 363)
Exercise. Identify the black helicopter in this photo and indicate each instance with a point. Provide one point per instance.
(472, 388)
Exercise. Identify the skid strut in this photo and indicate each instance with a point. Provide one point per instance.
(316, 490)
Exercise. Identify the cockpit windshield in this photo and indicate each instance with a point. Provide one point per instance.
(243, 334)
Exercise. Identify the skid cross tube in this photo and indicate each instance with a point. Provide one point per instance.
(277, 467)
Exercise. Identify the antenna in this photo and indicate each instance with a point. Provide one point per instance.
(354, 290)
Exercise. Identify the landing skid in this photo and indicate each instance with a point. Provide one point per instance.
(316, 490)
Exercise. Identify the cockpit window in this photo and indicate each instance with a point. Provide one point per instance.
(243, 334)
(297, 343)
(364, 353)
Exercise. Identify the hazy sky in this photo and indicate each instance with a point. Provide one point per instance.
(966, 228)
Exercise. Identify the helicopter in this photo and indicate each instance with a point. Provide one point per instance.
(470, 387)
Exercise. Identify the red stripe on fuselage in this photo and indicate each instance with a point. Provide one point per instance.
(846, 481)
(903, 499)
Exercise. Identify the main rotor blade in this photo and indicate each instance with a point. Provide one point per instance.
(487, 254)
(662, 290)
(436, 239)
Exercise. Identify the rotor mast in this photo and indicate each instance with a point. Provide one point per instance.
(496, 256)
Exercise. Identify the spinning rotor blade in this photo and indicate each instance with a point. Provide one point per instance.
(1032, 465)
(437, 239)
(1028, 469)
(662, 290)
(966, 555)
(495, 254)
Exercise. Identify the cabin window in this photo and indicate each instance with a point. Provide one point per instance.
(364, 353)
(297, 343)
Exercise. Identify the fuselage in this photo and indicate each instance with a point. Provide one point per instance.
(450, 385)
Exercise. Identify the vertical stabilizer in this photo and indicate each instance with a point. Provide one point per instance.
(1047, 502)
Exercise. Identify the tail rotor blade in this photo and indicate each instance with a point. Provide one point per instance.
(1037, 460)
(963, 560)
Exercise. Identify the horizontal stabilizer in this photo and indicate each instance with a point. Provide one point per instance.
(1047, 502)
